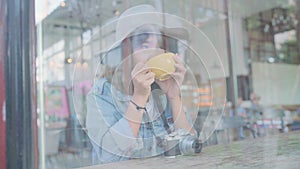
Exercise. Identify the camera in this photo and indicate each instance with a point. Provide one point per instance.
(181, 143)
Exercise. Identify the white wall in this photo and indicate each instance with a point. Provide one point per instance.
(277, 83)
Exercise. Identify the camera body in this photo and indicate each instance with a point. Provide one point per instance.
(181, 143)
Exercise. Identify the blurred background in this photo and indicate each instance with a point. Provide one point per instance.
(258, 43)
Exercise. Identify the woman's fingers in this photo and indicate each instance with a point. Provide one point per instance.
(180, 68)
(177, 59)
(149, 81)
(146, 78)
(139, 68)
(179, 64)
(142, 76)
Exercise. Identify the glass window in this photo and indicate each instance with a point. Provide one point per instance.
(255, 46)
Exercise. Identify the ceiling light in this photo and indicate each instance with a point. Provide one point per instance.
(63, 4)
(69, 60)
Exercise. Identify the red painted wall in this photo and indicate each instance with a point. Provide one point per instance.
(2, 88)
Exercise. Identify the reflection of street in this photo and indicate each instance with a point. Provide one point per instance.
(63, 153)
(69, 160)
(258, 123)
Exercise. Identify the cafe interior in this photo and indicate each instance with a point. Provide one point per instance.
(242, 86)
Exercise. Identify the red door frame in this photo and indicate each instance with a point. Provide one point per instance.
(2, 89)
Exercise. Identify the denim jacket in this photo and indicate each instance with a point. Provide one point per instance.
(109, 131)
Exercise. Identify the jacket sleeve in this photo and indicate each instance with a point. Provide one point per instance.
(108, 128)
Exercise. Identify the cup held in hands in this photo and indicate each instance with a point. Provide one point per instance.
(162, 65)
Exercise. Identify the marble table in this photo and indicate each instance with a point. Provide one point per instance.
(270, 152)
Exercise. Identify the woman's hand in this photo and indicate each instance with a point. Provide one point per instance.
(172, 85)
(142, 78)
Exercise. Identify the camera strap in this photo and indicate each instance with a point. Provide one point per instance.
(156, 93)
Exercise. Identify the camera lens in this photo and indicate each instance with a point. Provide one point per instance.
(197, 146)
(190, 145)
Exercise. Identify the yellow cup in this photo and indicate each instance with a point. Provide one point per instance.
(162, 65)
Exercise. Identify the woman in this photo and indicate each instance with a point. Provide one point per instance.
(128, 116)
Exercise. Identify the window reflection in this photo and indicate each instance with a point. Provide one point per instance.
(264, 44)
